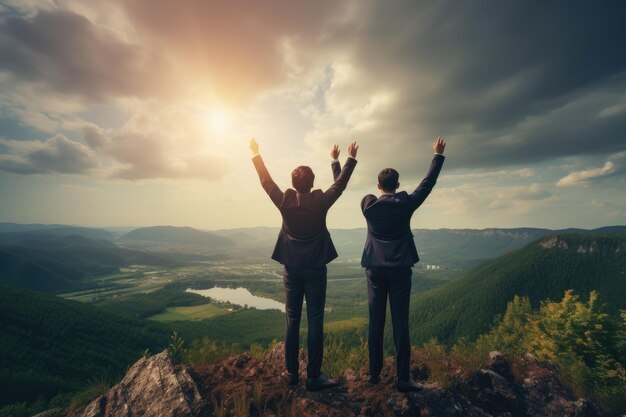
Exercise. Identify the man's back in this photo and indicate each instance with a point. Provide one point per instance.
(304, 240)
(304, 215)
(389, 240)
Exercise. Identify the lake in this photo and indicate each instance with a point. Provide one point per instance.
(240, 296)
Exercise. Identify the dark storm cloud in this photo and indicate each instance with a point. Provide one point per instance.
(69, 54)
(507, 82)
(55, 155)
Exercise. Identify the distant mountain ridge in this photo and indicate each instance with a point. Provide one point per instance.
(542, 269)
(176, 235)
(50, 263)
(9, 230)
(457, 248)
(446, 247)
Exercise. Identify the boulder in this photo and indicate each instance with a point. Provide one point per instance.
(153, 387)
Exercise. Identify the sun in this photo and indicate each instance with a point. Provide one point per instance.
(219, 121)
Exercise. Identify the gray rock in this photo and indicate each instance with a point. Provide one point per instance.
(152, 387)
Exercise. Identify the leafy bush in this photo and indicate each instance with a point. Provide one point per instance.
(176, 348)
(584, 342)
(339, 355)
(206, 351)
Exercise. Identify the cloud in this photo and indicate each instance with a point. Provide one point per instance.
(614, 166)
(501, 95)
(392, 77)
(502, 174)
(67, 53)
(521, 198)
(159, 141)
(532, 192)
(236, 49)
(55, 155)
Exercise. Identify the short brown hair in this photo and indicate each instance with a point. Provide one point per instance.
(388, 179)
(302, 179)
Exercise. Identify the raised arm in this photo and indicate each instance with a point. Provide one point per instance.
(270, 187)
(422, 191)
(335, 165)
(341, 182)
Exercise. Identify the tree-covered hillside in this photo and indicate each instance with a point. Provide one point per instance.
(541, 270)
(50, 345)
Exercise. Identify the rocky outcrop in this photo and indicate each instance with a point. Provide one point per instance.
(152, 387)
(554, 242)
(584, 244)
(246, 386)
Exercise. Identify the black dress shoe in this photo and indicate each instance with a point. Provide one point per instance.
(290, 379)
(408, 386)
(373, 379)
(321, 382)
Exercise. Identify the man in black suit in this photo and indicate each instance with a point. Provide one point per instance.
(304, 247)
(388, 257)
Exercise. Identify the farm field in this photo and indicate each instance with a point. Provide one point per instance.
(203, 311)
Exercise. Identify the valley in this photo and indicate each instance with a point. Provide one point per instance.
(141, 291)
(346, 295)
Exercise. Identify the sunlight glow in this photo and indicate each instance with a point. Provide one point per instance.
(219, 121)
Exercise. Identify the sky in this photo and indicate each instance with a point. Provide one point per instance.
(139, 112)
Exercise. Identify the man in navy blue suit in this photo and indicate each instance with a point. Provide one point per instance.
(388, 257)
(304, 247)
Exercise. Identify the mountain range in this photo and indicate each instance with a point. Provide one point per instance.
(446, 247)
(58, 258)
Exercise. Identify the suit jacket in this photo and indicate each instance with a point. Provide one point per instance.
(304, 240)
(389, 240)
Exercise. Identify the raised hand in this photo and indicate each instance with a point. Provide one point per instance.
(352, 149)
(334, 153)
(254, 147)
(440, 145)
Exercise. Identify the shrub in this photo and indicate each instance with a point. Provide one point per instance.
(580, 338)
(339, 356)
(205, 351)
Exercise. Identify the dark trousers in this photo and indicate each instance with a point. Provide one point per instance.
(395, 283)
(309, 283)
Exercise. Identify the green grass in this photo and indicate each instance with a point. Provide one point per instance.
(200, 312)
(341, 325)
